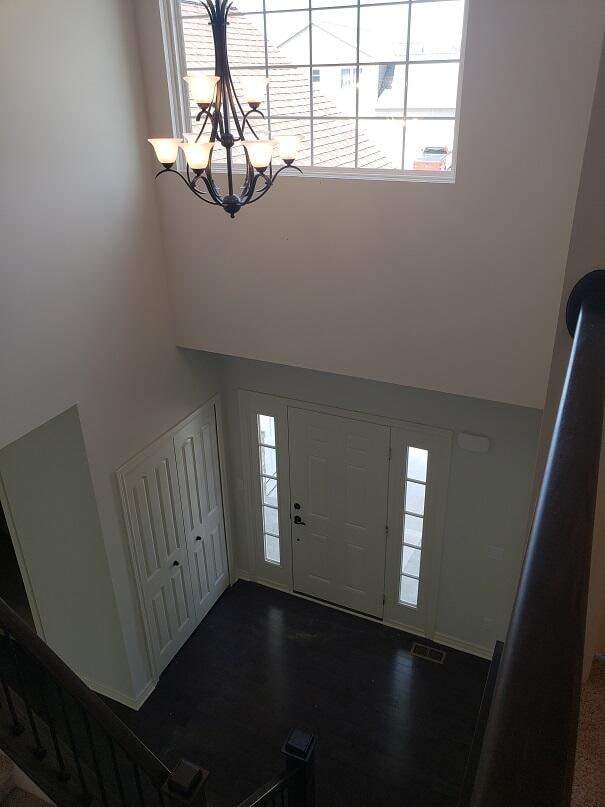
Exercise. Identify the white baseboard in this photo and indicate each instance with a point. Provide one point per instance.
(126, 700)
(466, 647)
(242, 574)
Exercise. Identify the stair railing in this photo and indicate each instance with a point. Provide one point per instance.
(527, 759)
(64, 726)
(78, 751)
(295, 787)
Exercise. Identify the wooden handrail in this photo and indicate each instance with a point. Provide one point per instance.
(138, 752)
(527, 758)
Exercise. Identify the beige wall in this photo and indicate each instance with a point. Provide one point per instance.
(84, 311)
(445, 287)
(586, 252)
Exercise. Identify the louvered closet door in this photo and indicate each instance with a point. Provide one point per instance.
(199, 481)
(154, 510)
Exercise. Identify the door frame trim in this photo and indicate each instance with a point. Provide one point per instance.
(120, 473)
(250, 400)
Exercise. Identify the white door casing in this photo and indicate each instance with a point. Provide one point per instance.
(198, 471)
(339, 476)
(156, 525)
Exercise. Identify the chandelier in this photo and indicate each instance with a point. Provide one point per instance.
(221, 112)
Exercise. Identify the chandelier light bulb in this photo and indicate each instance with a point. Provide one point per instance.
(202, 88)
(166, 148)
(288, 147)
(255, 90)
(260, 152)
(197, 154)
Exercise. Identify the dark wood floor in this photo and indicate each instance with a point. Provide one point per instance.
(392, 729)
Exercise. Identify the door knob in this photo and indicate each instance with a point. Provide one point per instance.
(198, 537)
(176, 563)
(298, 520)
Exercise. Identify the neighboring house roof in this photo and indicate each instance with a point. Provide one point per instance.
(288, 91)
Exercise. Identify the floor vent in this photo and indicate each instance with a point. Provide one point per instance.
(428, 653)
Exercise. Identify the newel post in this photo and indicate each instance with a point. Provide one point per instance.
(299, 750)
(186, 786)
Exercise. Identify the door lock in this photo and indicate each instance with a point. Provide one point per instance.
(298, 520)
(176, 563)
(198, 537)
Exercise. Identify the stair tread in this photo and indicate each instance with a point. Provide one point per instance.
(19, 798)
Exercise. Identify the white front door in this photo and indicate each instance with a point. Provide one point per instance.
(154, 512)
(199, 481)
(339, 483)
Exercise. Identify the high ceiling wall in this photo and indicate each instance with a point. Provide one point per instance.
(84, 317)
(446, 287)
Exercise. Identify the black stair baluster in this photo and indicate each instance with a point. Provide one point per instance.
(95, 759)
(17, 727)
(64, 774)
(38, 750)
(74, 747)
(116, 769)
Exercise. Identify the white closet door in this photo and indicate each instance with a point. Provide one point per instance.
(154, 512)
(200, 486)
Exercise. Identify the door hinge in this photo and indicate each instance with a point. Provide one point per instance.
(390, 454)
(386, 530)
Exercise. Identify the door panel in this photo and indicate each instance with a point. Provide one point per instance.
(339, 476)
(154, 512)
(199, 477)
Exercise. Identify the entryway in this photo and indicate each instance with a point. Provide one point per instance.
(347, 507)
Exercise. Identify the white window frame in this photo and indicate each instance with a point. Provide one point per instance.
(174, 49)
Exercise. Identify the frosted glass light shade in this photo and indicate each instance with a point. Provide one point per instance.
(260, 152)
(255, 89)
(288, 147)
(202, 87)
(166, 148)
(197, 154)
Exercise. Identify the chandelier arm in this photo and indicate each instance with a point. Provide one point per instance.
(260, 193)
(209, 116)
(270, 182)
(190, 185)
(248, 180)
(246, 121)
(211, 184)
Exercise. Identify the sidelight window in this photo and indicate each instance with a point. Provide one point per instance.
(267, 448)
(413, 524)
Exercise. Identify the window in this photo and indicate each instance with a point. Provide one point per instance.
(370, 87)
(413, 522)
(267, 454)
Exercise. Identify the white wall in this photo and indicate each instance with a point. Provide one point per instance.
(84, 305)
(488, 496)
(586, 252)
(445, 287)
